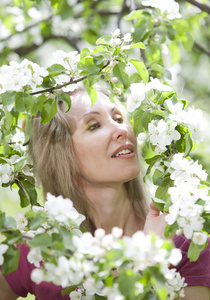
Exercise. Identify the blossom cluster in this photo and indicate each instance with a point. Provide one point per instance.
(185, 209)
(69, 61)
(168, 7)
(140, 91)
(92, 262)
(20, 76)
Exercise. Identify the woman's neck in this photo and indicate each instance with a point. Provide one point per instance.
(109, 206)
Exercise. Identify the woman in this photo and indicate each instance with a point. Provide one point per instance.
(99, 173)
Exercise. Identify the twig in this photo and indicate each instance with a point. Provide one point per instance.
(60, 86)
(25, 50)
(124, 6)
(65, 84)
(202, 6)
(27, 28)
(202, 49)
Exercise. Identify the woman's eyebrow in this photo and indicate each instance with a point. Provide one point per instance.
(90, 113)
(94, 113)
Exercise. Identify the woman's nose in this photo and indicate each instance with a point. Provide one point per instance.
(119, 131)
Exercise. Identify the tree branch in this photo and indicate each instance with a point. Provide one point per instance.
(201, 48)
(22, 51)
(58, 87)
(123, 9)
(27, 28)
(202, 6)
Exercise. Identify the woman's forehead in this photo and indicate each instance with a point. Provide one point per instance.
(81, 103)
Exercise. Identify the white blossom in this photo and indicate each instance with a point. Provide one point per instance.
(162, 134)
(138, 94)
(62, 210)
(155, 84)
(3, 249)
(68, 60)
(116, 33)
(113, 293)
(127, 38)
(37, 275)
(6, 171)
(190, 224)
(168, 7)
(142, 136)
(76, 295)
(21, 221)
(34, 256)
(199, 238)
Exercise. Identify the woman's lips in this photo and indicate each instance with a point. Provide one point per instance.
(124, 151)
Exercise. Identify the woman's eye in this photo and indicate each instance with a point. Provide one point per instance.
(119, 119)
(93, 126)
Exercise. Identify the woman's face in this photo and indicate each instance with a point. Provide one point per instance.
(103, 141)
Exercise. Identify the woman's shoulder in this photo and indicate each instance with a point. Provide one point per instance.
(196, 273)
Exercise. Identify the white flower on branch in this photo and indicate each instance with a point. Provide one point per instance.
(190, 224)
(162, 134)
(37, 275)
(34, 256)
(62, 210)
(138, 94)
(168, 7)
(6, 171)
(199, 238)
(155, 84)
(3, 249)
(21, 221)
(68, 60)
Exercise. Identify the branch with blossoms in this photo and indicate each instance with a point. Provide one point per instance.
(86, 265)
(168, 131)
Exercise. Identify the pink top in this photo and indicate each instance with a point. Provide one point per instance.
(195, 273)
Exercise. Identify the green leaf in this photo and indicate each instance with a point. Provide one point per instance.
(134, 14)
(151, 296)
(41, 240)
(119, 72)
(30, 191)
(38, 103)
(36, 222)
(23, 199)
(84, 52)
(69, 289)
(55, 70)
(159, 112)
(141, 68)
(91, 91)
(188, 144)
(138, 45)
(126, 282)
(48, 82)
(2, 218)
(180, 145)
(170, 229)
(66, 99)
(9, 119)
(88, 64)
(7, 98)
(104, 40)
(162, 190)
(195, 250)
(11, 259)
(24, 102)
(49, 109)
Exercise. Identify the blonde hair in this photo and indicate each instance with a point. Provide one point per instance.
(55, 166)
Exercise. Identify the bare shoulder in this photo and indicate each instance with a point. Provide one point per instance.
(5, 290)
(196, 293)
